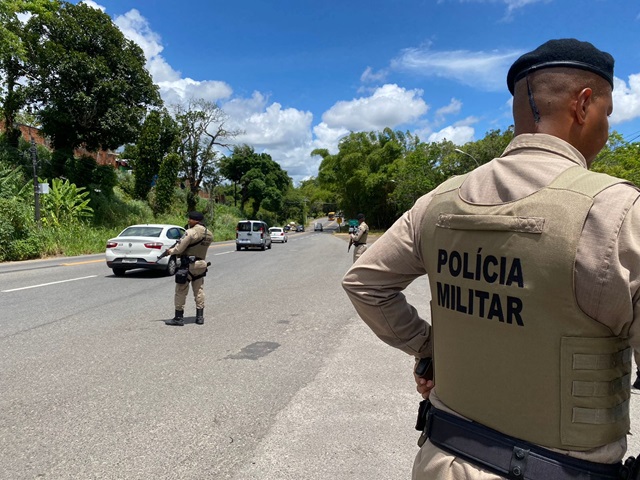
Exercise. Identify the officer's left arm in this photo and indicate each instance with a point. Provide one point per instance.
(357, 235)
(375, 282)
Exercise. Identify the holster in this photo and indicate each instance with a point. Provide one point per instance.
(421, 422)
(182, 275)
(631, 469)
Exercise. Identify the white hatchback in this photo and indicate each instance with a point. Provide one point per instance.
(278, 234)
(138, 246)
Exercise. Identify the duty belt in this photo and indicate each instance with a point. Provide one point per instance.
(512, 458)
(358, 244)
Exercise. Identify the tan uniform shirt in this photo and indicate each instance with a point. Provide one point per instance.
(607, 270)
(361, 233)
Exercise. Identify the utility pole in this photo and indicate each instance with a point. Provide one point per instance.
(36, 185)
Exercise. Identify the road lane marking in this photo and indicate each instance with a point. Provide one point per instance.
(46, 284)
(223, 253)
(82, 263)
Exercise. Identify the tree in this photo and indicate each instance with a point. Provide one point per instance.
(13, 57)
(88, 81)
(418, 173)
(619, 158)
(262, 181)
(201, 127)
(361, 173)
(159, 132)
(166, 185)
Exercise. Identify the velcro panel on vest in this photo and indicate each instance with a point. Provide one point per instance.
(595, 393)
(491, 223)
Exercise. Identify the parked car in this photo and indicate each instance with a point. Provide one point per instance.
(138, 246)
(317, 227)
(278, 234)
(252, 233)
(300, 228)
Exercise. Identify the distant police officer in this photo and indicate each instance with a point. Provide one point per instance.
(534, 271)
(192, 252)
(359, 237)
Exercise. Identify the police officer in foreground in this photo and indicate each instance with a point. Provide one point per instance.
(359, 237)
(192, 252)
(534, 271)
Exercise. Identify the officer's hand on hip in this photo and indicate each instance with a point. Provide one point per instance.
(424, 386)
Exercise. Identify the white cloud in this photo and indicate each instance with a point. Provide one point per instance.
(454, 107)
(173, 88)
(327, 137)
(484, 70)
(285, 134)
(389, 106)
(369, 76)
(93, 4)
(626, 99)
(275, 127)
(459, 135)
(512, 5)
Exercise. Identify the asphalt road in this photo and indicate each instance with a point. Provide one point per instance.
(281, 382)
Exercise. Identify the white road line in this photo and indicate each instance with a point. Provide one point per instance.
(45, 284)
(223, 253)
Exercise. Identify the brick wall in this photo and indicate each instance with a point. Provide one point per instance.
(102, 157)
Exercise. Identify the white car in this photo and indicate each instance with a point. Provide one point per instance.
(138, 246)
(278, 234)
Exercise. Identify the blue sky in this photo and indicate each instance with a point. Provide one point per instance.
(297, 75)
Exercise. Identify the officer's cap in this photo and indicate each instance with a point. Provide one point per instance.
(196, 216)
(566, 52)
(360, 216)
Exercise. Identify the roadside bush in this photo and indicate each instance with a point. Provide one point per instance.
(17, 230)
(65, 204)
(75, 239)
(127, 182)
(120, 210)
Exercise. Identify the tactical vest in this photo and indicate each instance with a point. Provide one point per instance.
(202, 238)
(512, 349)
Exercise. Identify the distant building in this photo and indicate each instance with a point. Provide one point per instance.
(102, 157)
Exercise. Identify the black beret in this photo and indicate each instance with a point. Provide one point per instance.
(196, 216)
(566, 52)
(360, 216)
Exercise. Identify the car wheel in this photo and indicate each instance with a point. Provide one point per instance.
(119, 272)
(238, 247)
(262, 247)
(172, 266)
(269, 247)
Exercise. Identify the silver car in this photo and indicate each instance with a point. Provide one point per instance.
(252, 233)
(138, 246)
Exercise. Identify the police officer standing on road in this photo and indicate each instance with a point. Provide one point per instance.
(359, 237)
(534, 271)
(192, 251)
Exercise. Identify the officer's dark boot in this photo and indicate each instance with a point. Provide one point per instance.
(636, 384)
(178, 320)
(200, 316)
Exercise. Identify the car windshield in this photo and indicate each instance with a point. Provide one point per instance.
(141, 232)
(275, 230)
